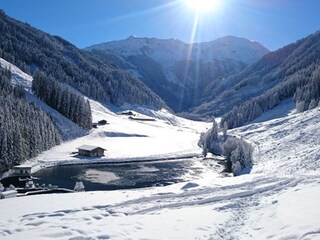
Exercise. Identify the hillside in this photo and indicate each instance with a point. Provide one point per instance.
(179, 72)
(267, 82)
(32, 50)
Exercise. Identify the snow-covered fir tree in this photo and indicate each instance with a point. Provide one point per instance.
(25, 131)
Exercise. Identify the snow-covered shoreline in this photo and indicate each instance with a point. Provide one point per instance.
(116, 161)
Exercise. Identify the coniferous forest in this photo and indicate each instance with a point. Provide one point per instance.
(67, 102)
(32, 50)
(25, 131)
(292, 72)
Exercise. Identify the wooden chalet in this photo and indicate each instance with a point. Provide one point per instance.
(91, 151)
(128, 113)
(22, 170)
(102, 122)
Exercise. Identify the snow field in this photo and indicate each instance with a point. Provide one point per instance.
(127, 139)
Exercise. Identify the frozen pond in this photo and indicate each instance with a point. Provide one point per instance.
(121, 176)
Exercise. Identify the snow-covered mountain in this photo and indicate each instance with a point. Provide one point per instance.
(167, 52)
(278, 200)
(178, 72)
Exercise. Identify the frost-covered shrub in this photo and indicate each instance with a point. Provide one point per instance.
(238, 154)
(301, 106)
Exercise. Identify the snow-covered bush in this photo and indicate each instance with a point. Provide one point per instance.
(238, 154)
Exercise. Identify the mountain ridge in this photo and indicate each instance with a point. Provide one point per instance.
(31, 49)
(135, 45)
(178, 71)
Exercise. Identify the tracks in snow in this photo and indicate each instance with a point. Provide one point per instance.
(254, 189)
(235, 199)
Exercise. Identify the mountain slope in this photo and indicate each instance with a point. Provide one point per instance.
(31, 50)
(272, 79)
(67, 129)
(176, 71)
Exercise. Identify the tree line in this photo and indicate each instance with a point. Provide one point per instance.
(59, 97)
(308, 96)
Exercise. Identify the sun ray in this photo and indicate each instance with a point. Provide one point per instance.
(190, 52)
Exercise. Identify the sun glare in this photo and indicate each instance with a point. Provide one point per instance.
(203, 6)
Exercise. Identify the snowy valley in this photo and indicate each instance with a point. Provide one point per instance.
(155, 181)
(277, 200)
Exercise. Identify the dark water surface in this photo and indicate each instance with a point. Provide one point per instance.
(119, 176)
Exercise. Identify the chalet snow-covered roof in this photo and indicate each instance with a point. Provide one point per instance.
(89, 147)
(22, 167)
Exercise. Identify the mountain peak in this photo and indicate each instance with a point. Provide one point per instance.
(131, 37)
(170, 51)
(231, 38)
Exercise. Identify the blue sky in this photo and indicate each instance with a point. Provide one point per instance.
(274, 23)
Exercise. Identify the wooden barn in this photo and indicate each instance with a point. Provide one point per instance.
(91, 151)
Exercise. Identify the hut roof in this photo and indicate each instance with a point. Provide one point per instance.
(89, 147)
(22, 167)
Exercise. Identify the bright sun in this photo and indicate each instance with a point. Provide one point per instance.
(203, 6)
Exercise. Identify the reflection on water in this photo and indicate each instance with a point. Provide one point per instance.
(116, 176)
